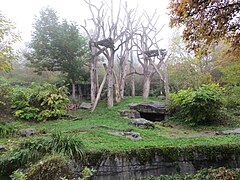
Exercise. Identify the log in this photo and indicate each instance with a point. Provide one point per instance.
(100, 89)
(99, 92)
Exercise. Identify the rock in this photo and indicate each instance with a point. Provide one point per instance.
(132, 114)
(235, 131)
(85, 105)
(131, 135)
(153, 111)
(2, 147)
(141, 122)
(149, 107)
(27, 132)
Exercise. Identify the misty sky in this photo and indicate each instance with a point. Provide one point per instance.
(22, 12)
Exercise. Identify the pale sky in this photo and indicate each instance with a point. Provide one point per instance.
(22, 12)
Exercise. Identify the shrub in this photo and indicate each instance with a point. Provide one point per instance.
(39, 102)
(5, 90)
(18, 175)
(232, 100)
(32, 150)
(7, 129)
(221, 173)
(69, 145)
(51, 167)
(199, 106)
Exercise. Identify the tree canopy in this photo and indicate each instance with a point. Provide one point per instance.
(8, 37)
(58, 46)
(207, 21)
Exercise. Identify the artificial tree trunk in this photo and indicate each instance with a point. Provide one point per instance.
(93, 75)
(133, 85)
(123, 74)
(110, 79)
(146, 85)
(166, 83)
(73, 90)
(80, 92)
(132, 76)
(117, 88)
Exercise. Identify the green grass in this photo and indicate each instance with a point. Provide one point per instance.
(94, 134)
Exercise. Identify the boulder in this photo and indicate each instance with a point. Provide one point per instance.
(153, 111)
(85, 105)
(132, 114)
(149, 107)
(132, 135)
(141, 122)
(27, 132)
(235, 131)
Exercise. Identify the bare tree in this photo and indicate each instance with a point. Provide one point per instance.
(150, 56)
(111, 32)
(94, 35)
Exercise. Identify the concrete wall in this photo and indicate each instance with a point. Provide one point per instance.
(155, 162)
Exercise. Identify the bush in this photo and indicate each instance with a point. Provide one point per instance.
(232, 100)
(51, 167)
(69, 145)
(221, 173)
(39, 102)
(5, 90)
(18, 175)
(199, 106)
(32, 150)
(7, 129)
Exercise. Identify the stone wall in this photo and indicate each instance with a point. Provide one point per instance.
(158, 161)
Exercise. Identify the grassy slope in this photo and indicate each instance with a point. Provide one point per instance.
(98, 138)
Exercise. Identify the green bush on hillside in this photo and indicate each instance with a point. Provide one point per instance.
(38, 102)
(5, 90)
(33, 150)
(199, 106)
(51, 167)
(232, 100)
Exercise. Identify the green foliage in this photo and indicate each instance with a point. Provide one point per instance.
(197, 107)
(7, 129)
(58, 47)
(50, 167)
(39, 102)
(185, 75)
(69, 145)
(18, 175)
(198, 16)
(86, 173)
(221, 173)
(5, 90)
(232, 99)
(32, 150)
(8, 37)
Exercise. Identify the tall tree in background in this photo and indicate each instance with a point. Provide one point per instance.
(73, 53)
(44, 54)
(8, 37)
(58, 47)
(207, 22)
(186, 70)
